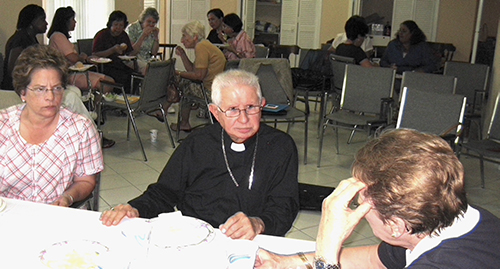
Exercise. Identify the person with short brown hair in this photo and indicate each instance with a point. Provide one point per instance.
(410, 189)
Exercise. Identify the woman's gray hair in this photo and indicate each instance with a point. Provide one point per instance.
(194, 29)
(232, 79)
(149, 12)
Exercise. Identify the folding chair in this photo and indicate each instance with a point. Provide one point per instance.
(170, 48)
(261, 51)
(436, 113)
(85, 45)
(487, 149)
(472, 82)
(152, 96)
(364, 94)
(275, 78)
(316, 72)
(190, 99)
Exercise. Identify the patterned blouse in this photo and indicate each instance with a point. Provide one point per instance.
(41, 173)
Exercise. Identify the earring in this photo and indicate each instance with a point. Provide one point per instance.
(24, 101)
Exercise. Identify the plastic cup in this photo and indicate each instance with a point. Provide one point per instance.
(154, 134)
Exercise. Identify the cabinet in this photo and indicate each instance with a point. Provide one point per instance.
(267, 22)
(298, 21)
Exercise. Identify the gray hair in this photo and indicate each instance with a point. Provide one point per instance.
(232, 79)
(149, 12)
(194, 29)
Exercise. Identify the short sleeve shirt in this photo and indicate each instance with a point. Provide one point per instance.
(134, 32)
(41, 173)
(208, 56)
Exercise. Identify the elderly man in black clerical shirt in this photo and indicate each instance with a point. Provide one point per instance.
(238, 174)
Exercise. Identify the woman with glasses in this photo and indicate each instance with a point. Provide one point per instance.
(48, 154)
(356, 31)
(144, 35)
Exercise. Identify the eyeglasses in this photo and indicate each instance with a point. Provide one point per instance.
(234, 112)
(42, 90)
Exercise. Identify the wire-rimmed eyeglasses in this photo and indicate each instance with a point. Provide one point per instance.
(58, 90)
(234, 112)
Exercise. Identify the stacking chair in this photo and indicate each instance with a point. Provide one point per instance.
(363, 95)
(152, 96)
(429, 82)
(275, 78)
(431, 112)
(261, 51)
(85, 45)
(193, 99)
(487, 149)
(472, 82)
(170, 48)
(338, 64)
(316, 72)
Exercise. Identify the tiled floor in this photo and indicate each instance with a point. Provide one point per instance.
(126, 175)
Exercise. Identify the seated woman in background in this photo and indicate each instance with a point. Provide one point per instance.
(215, 17)
(240, 44)
(30, 23)
(409, 51)
(62, 23)
(208, 62)
(48, 154)
(144, 35)
(112, 42)
(356, 31)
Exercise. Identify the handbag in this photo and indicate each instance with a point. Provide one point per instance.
(173, 94)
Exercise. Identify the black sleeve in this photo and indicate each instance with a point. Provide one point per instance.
(282, 201)
(164, 195)
(391, 256)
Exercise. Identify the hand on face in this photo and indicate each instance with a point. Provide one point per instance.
(338, 220)
(240, 226)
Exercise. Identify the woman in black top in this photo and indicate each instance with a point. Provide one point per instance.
(215, 17)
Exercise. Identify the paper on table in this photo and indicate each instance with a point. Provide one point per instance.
(241, 254)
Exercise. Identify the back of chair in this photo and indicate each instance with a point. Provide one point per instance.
(85, 45)
(494, 125)
(283, 51)
(261, 51)
(167, 50)
(154, 86)
(431, 112)
(338, 64)
(470, 78)
(364, 88)
(269, 70)
(429, 82)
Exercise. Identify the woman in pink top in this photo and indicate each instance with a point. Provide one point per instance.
(62, 23)
(240, 44)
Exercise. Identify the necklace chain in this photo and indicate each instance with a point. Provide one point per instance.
(250, 177)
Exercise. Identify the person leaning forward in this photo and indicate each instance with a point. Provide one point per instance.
(238, 174)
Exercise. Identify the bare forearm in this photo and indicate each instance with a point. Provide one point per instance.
(81, 188)
(360, 257)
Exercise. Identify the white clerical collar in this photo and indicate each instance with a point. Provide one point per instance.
(238, 147)
(461, 225)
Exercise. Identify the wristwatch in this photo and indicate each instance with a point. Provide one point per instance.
(320, 263)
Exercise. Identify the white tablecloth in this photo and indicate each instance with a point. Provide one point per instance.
(27, 229)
